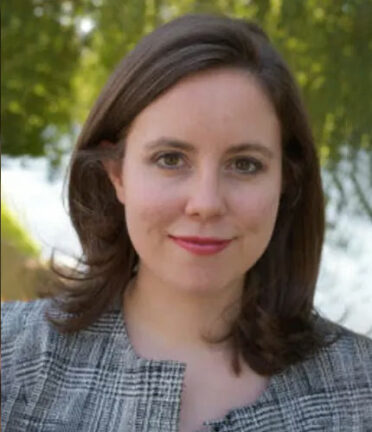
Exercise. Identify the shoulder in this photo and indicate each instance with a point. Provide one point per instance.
(24, 332)
(332, 388)
(44, 369)
(350, 350)
(32, 346)
(345, 364)
(15, 315)
(22, 322)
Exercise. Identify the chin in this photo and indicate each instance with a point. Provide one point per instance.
(203, 284)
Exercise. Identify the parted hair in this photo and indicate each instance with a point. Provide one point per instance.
(276, 326)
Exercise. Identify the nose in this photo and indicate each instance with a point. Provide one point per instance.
(205, 198)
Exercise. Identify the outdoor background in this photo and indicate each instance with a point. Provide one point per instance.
(56, 55)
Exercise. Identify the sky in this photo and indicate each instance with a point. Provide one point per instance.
(343, 293)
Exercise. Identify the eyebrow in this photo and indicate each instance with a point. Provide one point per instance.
(236, 148)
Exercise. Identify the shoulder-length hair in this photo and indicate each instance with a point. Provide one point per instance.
(277, 323)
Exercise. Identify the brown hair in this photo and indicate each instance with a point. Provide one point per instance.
(276, 326)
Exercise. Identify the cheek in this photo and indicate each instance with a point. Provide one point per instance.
(259, 209)
(149, 204)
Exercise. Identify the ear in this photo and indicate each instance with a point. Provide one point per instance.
(114, 170)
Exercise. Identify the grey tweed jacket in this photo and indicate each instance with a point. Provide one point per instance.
(93, 381)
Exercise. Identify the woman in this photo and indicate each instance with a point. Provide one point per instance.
(196, 194)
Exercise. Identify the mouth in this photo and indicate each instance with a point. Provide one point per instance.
(201, 245)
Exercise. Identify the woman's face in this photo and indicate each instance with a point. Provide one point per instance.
(203, 160)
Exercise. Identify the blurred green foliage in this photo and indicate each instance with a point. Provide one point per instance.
(40, 55)
(58, 54)
(14, 234)
(23, 272)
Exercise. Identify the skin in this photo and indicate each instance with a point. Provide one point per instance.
(203, 192)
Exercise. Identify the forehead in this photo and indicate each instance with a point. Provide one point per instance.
(219, 106)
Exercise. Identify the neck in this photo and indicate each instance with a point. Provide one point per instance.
(165, 321)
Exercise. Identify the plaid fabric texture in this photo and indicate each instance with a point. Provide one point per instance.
(93, 381)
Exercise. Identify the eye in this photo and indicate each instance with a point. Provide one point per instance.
(245, 165)
(169, 160)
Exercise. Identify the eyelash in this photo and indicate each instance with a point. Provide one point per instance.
(258, 166)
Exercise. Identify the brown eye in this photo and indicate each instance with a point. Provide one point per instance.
(247, 165)
(169, 160)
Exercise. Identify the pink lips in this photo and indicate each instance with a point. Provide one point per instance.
(201, 246)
